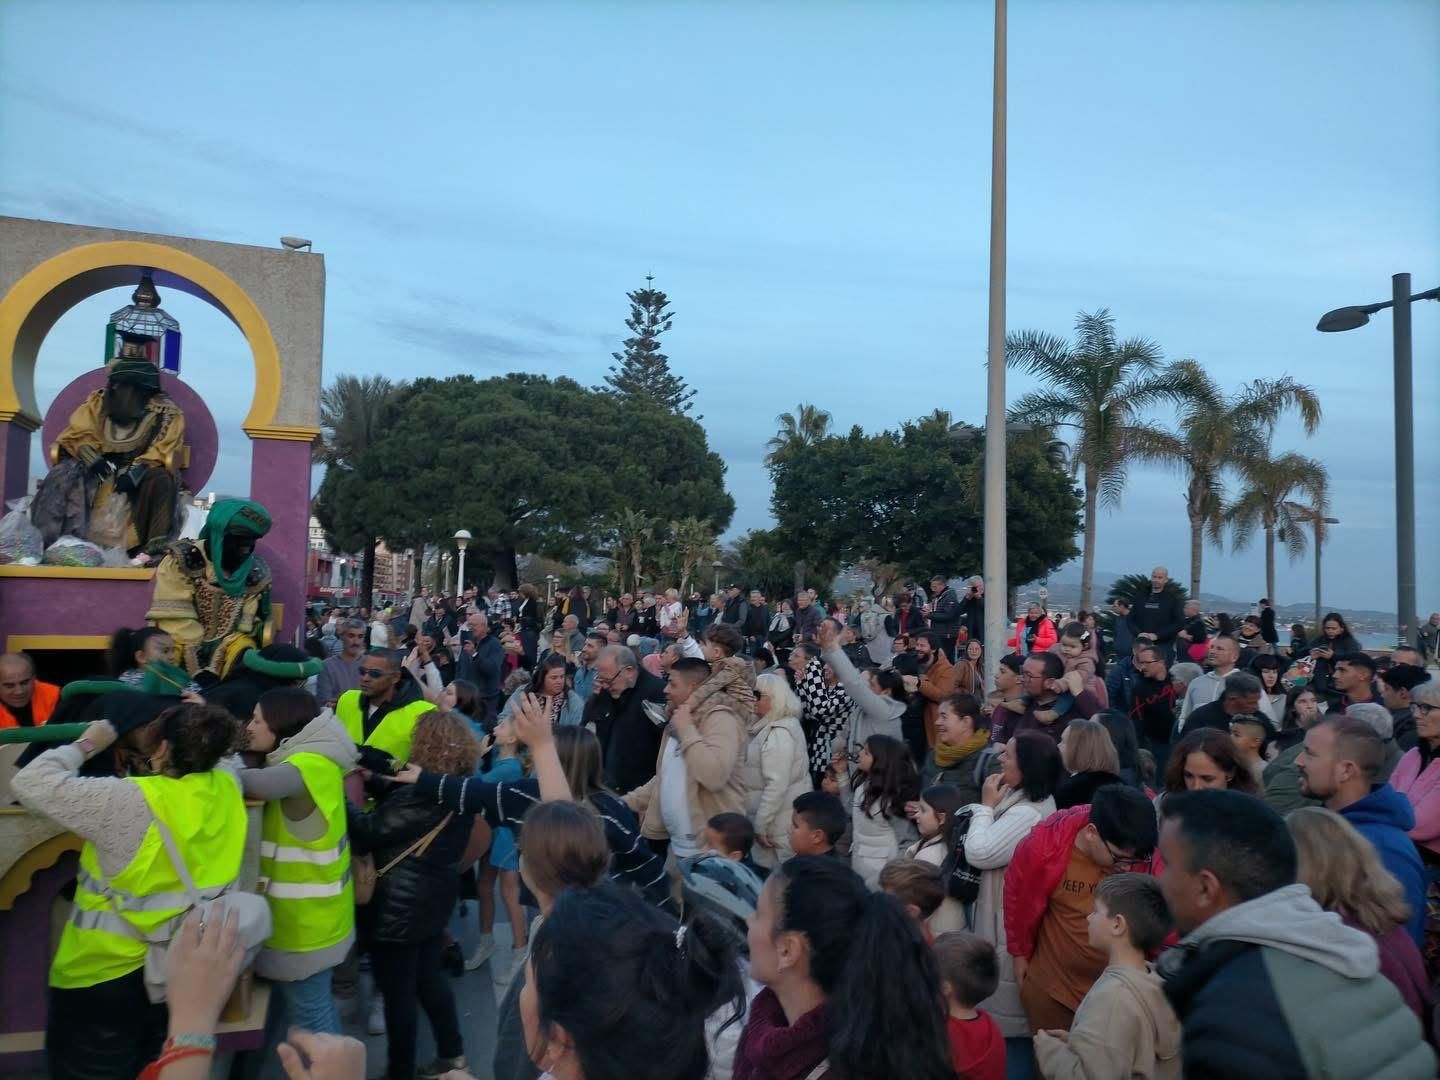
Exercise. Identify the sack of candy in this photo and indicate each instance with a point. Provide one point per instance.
(1300, 672)
(20, 541)
(72, 551)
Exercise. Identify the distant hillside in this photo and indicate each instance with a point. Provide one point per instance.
(1065, 595)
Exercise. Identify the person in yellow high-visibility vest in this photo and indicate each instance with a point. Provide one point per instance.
(382, 714)
(304, 854)
(102, 1023)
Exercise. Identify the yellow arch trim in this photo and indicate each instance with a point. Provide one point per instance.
(230, 298)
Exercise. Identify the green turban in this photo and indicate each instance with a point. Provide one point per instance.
(233, 516)
(132, 371)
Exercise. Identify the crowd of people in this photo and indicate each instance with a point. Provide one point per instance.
(787, 841)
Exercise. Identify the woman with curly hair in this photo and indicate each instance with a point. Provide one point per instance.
(181, 786)
(420, 843)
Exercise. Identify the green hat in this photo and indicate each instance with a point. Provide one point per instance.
(233, 516)
(282, 662)
(132, 371)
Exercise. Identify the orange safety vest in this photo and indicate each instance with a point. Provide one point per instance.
(42, 705)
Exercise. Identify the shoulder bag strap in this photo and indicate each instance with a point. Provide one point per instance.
(181, 870)
(419, 847)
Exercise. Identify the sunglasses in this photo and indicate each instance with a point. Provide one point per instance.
(374, 672)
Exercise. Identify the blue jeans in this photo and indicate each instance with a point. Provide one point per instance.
(306, 1003)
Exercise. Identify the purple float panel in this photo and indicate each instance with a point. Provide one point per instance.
(14, 460)
(200, 434)
(25, 945)
(280, 482)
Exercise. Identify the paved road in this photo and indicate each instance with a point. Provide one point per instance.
(476, 997)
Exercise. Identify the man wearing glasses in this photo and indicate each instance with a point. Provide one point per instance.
(383, 712)
(1049, 893)
(1152, 702)
(1049, 704)
(629, 736)
(342, 673)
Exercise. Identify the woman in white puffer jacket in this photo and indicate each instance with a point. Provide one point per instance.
(776, 768)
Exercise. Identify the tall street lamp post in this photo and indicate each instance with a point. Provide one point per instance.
(1349, 318)
(1319, 523)
(462, 541)
(996, 586)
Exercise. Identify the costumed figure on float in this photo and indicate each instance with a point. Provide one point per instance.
(114, 481)
(212, 595)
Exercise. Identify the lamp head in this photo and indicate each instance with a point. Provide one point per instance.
(1345, 318)
(462, 539)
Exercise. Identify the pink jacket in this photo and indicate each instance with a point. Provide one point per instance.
(1422, 788)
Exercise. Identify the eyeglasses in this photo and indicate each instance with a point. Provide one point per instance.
(374, 672)
(1123, 862)
(1425, 710)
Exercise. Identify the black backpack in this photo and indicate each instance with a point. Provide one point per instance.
(962, 881)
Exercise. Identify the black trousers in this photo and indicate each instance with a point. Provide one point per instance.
(407, 974)
(109, 1031)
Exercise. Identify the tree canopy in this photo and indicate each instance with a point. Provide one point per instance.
(914, 498)
(526, 463)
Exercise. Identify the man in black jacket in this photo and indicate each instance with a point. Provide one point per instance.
(972, 609)
(1160, 613)
(481, 661)
(1268, 630)
(629, 738)
(736, 608)
(757, 623)
(945, 614)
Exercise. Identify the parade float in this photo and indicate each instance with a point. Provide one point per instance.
(127, 446)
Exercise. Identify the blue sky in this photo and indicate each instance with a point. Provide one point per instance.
(808, 182)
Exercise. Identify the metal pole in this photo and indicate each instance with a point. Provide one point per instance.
(1319, 539)
(460, 582)
(996, 586)
(1404, 463)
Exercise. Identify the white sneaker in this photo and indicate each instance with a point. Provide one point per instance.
(376, 1024)
(504, 973)
(482, 953)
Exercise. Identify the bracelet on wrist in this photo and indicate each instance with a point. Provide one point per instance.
(193, 1039)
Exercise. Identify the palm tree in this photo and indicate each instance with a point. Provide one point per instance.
(694, 542)
(806, 426)
(1097, 386)
(1268, 503)
(635, 531)
(350, 410)
(1220, 431)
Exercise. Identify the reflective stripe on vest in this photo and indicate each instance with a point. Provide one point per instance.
(291, 853)
(395, 730)
(312, 903)
(106, 935)
(154, 902)
(283, 890)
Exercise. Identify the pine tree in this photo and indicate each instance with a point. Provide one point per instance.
(642, 370)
